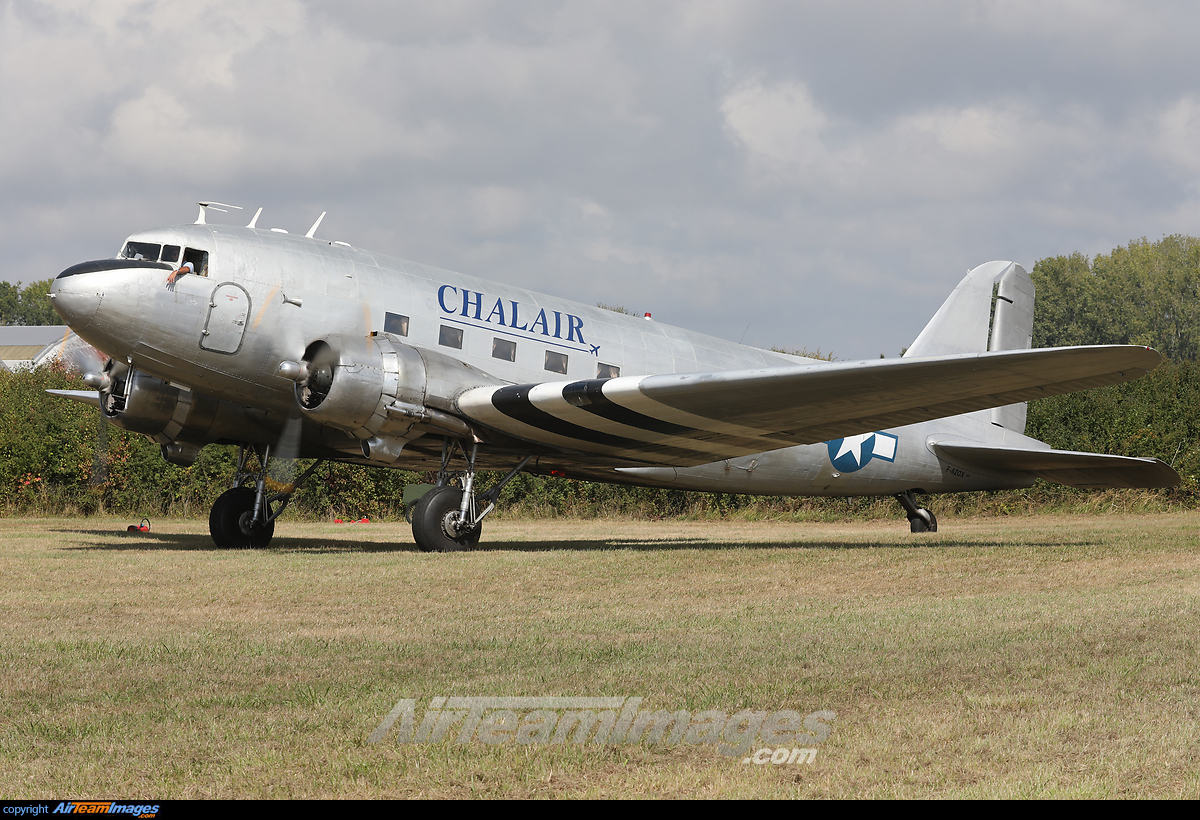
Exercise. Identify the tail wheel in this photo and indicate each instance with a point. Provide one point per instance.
(923, 521)
(435, 522)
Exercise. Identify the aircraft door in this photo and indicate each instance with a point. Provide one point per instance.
(228, 310)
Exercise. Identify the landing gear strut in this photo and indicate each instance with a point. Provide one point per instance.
(447, 518)
(244, 516)
(919, 518)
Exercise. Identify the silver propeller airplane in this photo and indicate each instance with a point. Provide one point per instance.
(294, 346)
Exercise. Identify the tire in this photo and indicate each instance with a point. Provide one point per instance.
(229, 521)
(411, 512)
(430, 518)
(919, 522)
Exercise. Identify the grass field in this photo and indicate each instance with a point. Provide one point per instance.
(1005, 657)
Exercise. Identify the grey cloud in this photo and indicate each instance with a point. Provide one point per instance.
(824, 172)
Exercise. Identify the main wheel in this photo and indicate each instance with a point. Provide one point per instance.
(229, 521)
(923, 521)
(411, 512)
(433, 521)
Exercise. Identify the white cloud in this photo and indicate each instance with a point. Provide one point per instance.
(735, 161)
(1179, 133)
(156, 135)
(779, 122)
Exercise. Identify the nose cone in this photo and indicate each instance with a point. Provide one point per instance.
(75, 298)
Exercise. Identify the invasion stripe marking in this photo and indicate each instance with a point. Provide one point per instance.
(514, 403)
(629, 392)
(549, 398)
(589, 395)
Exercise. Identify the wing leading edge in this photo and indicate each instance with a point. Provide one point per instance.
(695, 418)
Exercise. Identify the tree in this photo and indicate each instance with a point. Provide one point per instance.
(1146, 293)
(30, 306)
(10, 303)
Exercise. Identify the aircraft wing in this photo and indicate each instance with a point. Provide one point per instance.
(695, 418)
(1091, 471)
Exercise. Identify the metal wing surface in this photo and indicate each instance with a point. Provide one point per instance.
(1091, 471)
(695, 418)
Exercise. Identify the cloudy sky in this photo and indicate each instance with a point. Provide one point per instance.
(809, 174)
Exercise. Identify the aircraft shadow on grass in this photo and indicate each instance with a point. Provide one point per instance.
(201, 543)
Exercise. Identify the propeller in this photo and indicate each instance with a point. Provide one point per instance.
(313, 374)
(81, 357)
(285, 453)
(96, 368)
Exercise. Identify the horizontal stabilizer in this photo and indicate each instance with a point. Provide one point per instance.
(91, 397)
(687, 419)
(1091, 471)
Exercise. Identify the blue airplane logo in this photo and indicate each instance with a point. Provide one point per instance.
(853, 453)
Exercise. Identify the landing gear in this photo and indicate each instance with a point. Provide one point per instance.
(438, 525)
(232, 522)
(923, 521)
(919, 518)
(244, 516)
(446, 519)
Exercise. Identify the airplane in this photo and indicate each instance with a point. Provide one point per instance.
(292, 346)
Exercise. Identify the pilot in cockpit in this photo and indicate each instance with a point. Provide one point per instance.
(186, 267)
(194, 261)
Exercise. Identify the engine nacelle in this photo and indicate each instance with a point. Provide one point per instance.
(381, 390)
(175, 417)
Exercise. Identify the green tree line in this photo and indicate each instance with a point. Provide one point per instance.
(27, 306)
(1146, 293)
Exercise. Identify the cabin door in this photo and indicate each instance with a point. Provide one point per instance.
(228, 309)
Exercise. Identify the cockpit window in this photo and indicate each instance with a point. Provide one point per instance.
(170, 253)
(199, 260)
(141, 250)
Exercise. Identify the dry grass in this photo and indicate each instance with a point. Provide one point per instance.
(1019, 657)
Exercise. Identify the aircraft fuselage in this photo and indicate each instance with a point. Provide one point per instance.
(263, 297)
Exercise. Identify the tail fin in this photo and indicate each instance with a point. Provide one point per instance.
(962, 323)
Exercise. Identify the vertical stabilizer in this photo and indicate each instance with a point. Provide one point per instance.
(1012, 329)
(961, 323)
(965, 323)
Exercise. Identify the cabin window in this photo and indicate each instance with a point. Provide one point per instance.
(451, 337)
(199, 260)
(141, 250)
(607, 371)
(170, 253)
(395, 323)
(505, 349)
(556, 362)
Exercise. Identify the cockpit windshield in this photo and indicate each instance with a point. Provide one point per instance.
(141, 250)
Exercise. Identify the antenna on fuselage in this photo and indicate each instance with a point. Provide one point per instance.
(313, 229)
(254, 221)
(216, 206)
